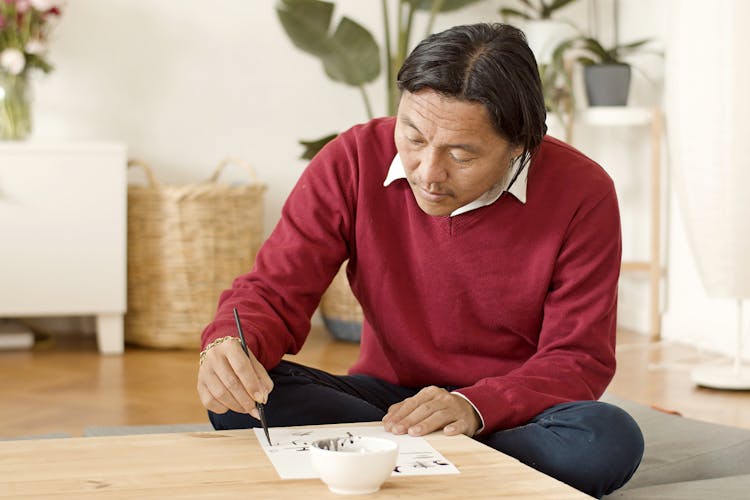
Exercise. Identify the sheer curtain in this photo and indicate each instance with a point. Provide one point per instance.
(708, 110)
(708, 128)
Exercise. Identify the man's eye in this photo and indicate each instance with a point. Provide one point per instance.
(415, 140)
(461, 159)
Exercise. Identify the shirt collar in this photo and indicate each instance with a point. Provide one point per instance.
(518, 189)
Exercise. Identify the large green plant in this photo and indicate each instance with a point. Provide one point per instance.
(590, 51)
(349, 53)
(538, 9)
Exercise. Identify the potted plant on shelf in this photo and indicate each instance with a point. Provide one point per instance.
(606, 73)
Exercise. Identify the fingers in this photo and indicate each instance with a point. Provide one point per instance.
(252, 379)
(207, 399)
(232, 386)
(400, 416)
(421, 414)
(429, 410)
(460, 426)
(263, 377)
(230, 380)
(216, 396)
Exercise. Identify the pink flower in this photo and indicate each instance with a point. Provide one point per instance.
(22, 6)
(24, 27)
(44, 5)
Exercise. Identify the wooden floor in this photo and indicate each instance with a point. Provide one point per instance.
(63, 385)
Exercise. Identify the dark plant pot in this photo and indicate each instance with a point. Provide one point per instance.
(345, 330)
(340, 309)
(607, 84)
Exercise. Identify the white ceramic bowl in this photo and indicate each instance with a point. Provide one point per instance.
(354, 465)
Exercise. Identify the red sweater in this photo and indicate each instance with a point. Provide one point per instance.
(513, 303)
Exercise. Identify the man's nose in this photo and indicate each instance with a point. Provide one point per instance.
(431, 167)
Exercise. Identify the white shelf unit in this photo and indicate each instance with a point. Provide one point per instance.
(624, 116)
(63, 214)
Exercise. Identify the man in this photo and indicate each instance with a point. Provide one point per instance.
(485, 256)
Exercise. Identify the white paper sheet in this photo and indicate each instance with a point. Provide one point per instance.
(290, 453)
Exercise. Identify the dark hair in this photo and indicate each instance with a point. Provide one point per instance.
(486, 63)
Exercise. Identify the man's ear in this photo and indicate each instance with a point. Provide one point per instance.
(516, 152)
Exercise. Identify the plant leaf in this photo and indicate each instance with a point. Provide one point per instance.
(558, 4)
(593, 45)
(506, 12)
(448, 5)
(312, 147)
(562, 47)
(597, 50)
(307, 23)
(633, 45)
(354, 56)
(34, 61)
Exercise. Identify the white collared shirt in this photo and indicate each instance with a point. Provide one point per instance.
(518, 189)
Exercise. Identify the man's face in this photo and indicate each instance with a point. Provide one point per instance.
(451, 152)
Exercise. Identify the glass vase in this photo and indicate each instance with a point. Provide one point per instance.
(15, 107)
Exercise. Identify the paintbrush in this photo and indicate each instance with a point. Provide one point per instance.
(258, 405)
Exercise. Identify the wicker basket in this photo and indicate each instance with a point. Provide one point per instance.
(340, 310)
(185, 246)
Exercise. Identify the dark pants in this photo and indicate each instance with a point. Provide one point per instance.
(593, 446)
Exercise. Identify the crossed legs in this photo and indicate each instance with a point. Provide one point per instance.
(593, 446)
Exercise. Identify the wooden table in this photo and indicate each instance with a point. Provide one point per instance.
(231, 464)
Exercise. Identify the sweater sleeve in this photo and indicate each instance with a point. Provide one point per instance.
(575, 357)
(295, 265)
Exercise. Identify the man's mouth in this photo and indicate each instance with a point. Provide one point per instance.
(433, 196)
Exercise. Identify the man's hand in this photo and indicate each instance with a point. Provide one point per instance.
(431, 409)
(229, 380)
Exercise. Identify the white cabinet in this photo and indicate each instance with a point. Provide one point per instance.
(63, 229)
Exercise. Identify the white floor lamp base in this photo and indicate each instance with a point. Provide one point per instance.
(722, 377)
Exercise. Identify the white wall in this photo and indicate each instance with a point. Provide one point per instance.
(186, 83)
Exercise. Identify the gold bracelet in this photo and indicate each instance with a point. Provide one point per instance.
(213, 344)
